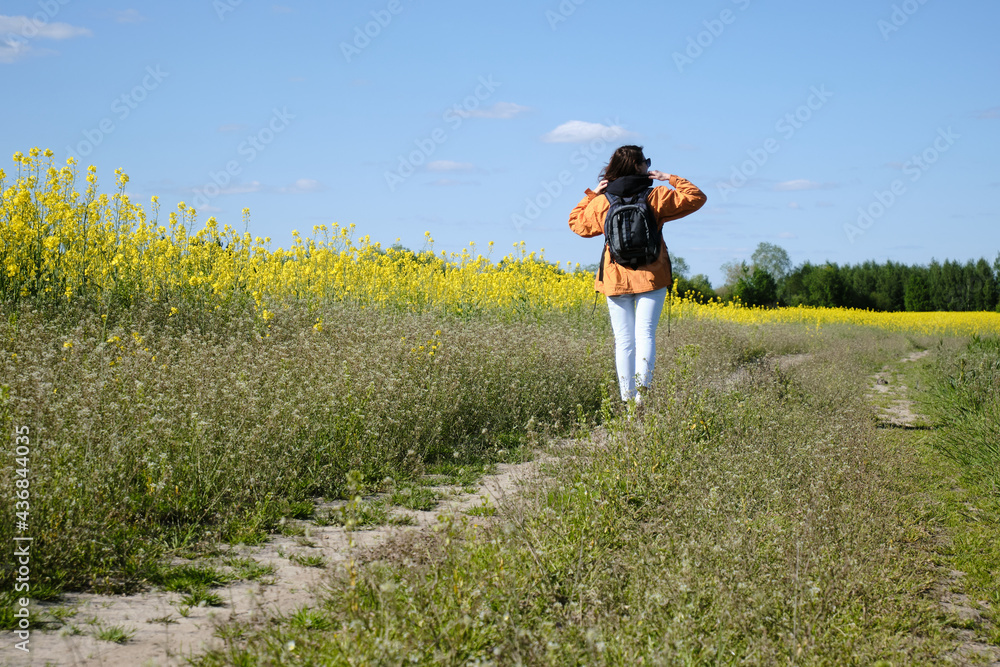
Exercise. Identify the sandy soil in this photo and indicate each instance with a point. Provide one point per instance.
(899, 412)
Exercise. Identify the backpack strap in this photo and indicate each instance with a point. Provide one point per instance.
(600, 277)
(611, 200)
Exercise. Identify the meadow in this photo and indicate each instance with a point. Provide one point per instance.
(188, 388)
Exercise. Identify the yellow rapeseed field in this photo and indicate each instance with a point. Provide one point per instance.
(58, 244)
(958, 324)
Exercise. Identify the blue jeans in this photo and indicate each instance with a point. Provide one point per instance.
(633, 319)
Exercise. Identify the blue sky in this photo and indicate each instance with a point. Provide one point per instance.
(840, 131)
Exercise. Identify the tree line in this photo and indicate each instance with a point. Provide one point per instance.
(770, 280)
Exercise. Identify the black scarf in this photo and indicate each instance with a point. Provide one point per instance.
(629, 186)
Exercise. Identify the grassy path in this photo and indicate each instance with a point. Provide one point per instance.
(962, 520)
(779, 502)
(279, 579)
(759, 513)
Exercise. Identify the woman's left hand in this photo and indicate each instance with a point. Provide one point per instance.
(601, 187)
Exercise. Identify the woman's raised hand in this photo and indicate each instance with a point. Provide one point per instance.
(601, 187)
(659, 175)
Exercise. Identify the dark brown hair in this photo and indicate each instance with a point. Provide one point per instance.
(627, 161)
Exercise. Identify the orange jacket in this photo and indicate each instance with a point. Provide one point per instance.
(587, 220)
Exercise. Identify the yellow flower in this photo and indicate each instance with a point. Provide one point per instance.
(126, 250)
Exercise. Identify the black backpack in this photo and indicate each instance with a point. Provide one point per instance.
(633, 237)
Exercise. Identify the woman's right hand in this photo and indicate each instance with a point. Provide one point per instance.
(659, 175)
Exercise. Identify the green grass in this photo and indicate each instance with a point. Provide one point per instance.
(307, 619)
(416, 498)
(749, 516)
(195, 581)
(187, 578)
(172, 436)
(167, 619)
(357, 514)
(445, 473)
(961, 398)
(229, 632)
(249, 569)
(117, 634)
(301, 510)
(402, 520)
(485, 509)
(292, 528)
(313, 560)
(201, 596)
(754, 518)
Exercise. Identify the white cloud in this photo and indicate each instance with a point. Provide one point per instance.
(12, 50)
(502, 110)
(794, 205)
(302, 186)
(19, 30)
(578, 131)
(29, 28)
(253, 186)
(129, 16)
(801, 184)
(989, 113)
(447, 165)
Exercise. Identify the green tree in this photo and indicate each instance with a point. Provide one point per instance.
(697, 287)
(996, 272)
(771, 258)
(792, 291)
(826, 287)
(984, 286)
(679, 267)
(760, 289)
(734, 270)
(918, 294)
(954, 287)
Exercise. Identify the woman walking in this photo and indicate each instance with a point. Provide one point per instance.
(635, 293)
